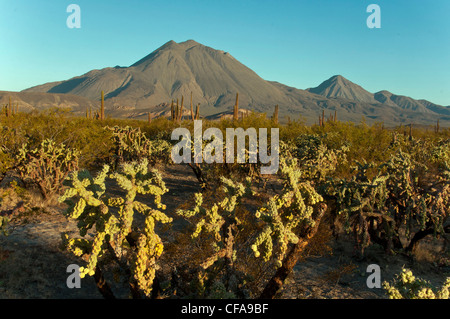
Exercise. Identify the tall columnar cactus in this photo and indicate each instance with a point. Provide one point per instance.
(236, 108)
(192, 109)
(134, 246)
(177, 111)
(9, 109)
(172, 111)
(275, 115)
(180, 114)
(197, 112)
(102, 107)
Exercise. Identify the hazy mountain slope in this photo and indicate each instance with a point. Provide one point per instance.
(439, 109)
(404, 102)
(29, 101)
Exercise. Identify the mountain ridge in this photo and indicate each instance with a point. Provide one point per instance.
(213, 77)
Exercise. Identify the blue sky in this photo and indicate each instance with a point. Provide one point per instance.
(298, 43)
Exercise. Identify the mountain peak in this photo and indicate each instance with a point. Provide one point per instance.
(189, 42)
(170, 45)
(337, 77)
(339, 87)
(340, 79)
(185, 44)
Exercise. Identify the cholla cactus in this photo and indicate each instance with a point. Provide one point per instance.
(132, 144)
(315, 159)
(47, 166)
(403, 191)
(285, 212)
(406, 286)
(219, 219)
(113, 218)
(220, 223)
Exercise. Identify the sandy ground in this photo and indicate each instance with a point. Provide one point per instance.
(32, 265)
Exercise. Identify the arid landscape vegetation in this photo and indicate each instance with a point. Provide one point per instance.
(103, 193)
(221, 158)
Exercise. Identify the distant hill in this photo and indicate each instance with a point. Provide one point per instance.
(29, 101)
(214, 77)
(338, 86)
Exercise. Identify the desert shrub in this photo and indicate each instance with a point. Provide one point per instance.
(6, 160)
(406, 286)
(119, 237)
(255, 120)
(90, 139)
(87, 136)
(46, 166)
(362, 142)
(11, 140)
(38, 126)
(160, 127)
